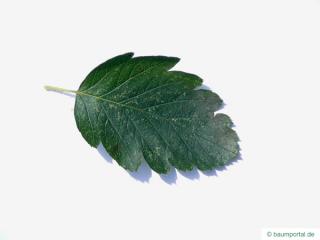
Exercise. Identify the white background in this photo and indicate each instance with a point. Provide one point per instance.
(261, 57)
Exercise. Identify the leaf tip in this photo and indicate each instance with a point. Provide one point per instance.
(128, 54)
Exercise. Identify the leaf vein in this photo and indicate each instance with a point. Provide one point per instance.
(91, 126)
(130, 78)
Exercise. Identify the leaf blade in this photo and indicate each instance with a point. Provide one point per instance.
(141, 111)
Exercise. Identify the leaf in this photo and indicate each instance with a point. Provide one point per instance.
(141, 111)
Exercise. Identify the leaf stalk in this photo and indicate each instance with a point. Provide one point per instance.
(58, 89)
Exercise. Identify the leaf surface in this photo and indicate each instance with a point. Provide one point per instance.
(141, 111)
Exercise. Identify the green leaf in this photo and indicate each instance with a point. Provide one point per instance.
(141, 111)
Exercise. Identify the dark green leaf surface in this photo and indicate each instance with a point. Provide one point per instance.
(139, 110)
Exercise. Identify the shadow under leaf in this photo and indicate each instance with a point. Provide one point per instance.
(143, 174)
(170, 177)
(192, 175)
(104, 153)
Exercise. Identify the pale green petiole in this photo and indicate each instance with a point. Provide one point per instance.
(58, 89)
